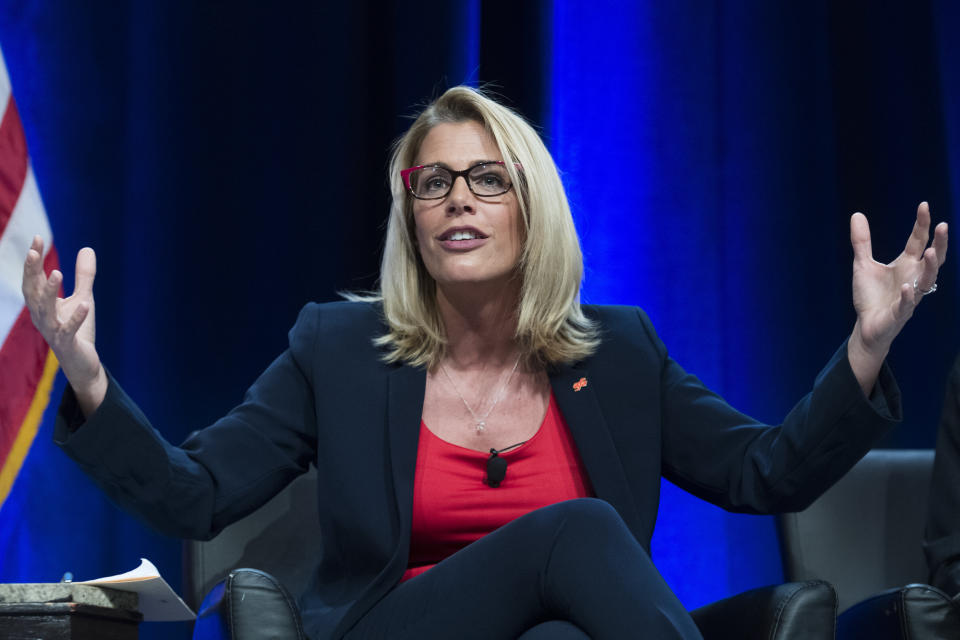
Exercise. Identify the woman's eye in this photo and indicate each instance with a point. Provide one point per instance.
(436, 183)
(489, 180)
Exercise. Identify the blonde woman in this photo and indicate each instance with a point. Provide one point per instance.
(505, 443)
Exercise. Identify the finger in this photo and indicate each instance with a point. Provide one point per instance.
(940, 242)
(86, 271)
(917, 241)
(33, 278)
(908, 300)
(33, 263)
(69, 328)
(47, 307)
(928, 272)
(860, 237)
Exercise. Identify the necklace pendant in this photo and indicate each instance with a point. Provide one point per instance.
(480, 424)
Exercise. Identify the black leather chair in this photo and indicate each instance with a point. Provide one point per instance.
(282, 538)
(864, 536)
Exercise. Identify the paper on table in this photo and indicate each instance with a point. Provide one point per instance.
(157, 600)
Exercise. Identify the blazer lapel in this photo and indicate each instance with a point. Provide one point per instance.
(406, 386)
(574, 391)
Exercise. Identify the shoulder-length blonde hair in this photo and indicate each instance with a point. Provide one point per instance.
(551, 328)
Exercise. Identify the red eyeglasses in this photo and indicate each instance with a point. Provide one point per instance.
(433, 182)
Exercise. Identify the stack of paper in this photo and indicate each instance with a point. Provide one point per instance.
(157, 600)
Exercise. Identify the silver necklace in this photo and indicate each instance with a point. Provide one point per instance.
(480, 423)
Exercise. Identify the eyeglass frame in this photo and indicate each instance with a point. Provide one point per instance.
(405, 176)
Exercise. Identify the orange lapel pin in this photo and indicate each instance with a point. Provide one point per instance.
(579, 384)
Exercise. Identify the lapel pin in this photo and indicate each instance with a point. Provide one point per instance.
(579, 384)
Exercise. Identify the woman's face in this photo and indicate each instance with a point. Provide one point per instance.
(464, 238)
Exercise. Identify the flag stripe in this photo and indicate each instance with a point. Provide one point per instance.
(21, 365)
(29, 427)
(21, 362)
(5, 93)
(13, 161)
(27, 221)
(22, 358)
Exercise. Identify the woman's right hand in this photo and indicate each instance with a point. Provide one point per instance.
(67, 324)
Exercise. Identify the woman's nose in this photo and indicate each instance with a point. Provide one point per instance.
(460, 197)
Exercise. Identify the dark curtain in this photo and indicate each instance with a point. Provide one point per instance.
(714, 153)
(227, 162)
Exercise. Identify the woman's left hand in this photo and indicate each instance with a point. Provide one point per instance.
(885, 295)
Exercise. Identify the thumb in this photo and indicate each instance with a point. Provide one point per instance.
(86, 271)
(860, 237)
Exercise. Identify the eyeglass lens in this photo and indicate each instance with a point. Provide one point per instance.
(482, 179)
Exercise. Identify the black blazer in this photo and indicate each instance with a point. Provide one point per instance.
(942, 534)
(330, 400)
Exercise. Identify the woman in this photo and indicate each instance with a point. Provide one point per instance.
(476, 353)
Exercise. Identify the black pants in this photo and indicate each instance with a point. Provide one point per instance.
(571, 570)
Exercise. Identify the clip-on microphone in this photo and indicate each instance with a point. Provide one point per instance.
(497, 466)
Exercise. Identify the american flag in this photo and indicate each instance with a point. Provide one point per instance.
(27, 366)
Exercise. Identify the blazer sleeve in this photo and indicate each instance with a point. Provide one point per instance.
(220, 473)
(727, 458)
(942, 534)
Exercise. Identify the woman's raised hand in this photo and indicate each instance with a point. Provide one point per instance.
(885, 295)
(67, 324)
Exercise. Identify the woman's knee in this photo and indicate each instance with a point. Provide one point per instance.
(555, 630)
(583, 532)
(589, 541)
(587, 537)
(587, 519)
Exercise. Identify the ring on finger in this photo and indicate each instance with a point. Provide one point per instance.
(917, 288)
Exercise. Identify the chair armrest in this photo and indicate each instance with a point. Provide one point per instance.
(913, 612)
(947, 577)
(248, 605)
(795, 610)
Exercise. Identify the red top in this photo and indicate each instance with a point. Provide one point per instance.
(452, 506)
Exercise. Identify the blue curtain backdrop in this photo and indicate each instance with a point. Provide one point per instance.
(226, 161)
